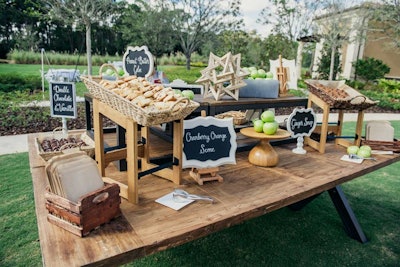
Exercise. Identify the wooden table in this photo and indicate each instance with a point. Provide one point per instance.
(248, 191)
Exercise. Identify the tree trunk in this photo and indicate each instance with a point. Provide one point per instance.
(187, 62)
(299, 59)
(332, 67)
(89, 47)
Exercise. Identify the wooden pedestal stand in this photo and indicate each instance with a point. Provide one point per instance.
(263, 154)
(324, 128)
(131, 152)
(281, 72)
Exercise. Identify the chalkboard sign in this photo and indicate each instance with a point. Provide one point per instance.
(63, 99)
(138, 61)
(208, 142)
(301, 122)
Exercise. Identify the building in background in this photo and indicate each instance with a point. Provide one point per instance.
(362, 38)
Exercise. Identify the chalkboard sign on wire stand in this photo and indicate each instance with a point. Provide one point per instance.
(63, 101)
(301, 122)
(138, 61)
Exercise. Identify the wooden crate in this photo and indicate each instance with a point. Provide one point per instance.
(91, 210)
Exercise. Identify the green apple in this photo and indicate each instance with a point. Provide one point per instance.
(258, 125)
(270, 128)
(177, 92)
(364, 153)
(254, 74)
(368, 148)
(352, 150)
(109, 72)
(269, 75)
(268, 116)
(188, 93)
(261, 74)
(121, 72)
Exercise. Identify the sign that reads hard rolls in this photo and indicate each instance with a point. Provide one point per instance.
(208, 142)
(138, 61)
(63, 99)
(301, 122)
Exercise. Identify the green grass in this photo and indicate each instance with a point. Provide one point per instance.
(313, 236)
(172, 72)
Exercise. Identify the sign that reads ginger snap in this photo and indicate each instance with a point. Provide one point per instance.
(208, 142)
(301, 122)
(138, 61)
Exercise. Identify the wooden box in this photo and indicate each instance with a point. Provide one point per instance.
(91, 210)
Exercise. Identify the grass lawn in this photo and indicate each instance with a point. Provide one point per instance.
(172, 72)
(313, 236)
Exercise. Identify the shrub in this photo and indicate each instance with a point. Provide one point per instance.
(17, 82)
(370, 69)
(389, 86)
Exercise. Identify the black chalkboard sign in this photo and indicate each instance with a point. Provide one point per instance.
(138, 61)
(63, 99)
(208, 142)
(301, 122)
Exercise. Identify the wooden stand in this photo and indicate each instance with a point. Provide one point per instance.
(324, 128)
(131, 152)
(206, 175)
(281, 72)
(263, 154)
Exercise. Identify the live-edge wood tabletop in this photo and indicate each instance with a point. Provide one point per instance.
(247, 191)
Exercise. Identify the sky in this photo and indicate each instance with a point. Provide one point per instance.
(251, 11)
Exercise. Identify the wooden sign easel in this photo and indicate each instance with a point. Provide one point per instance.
(281, 72)
(206, 175)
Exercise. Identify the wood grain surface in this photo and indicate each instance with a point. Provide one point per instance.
(247, 191)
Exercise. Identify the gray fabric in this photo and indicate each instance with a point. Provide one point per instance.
(260, 89)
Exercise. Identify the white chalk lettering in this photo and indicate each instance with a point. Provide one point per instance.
(189, 137)
(205, 150)
(215, 136)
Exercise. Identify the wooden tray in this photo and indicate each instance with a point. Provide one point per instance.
(339, 95)
(88, 148)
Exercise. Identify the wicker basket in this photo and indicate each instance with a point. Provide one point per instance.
(93, 87)
(66, 148)
(144, 116)
(238, 117)
(352, 100)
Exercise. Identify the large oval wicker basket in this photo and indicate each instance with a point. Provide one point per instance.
(144, 116)
(338, 95)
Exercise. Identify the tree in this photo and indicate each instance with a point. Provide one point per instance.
(291, 18)
(139, 26)
(337, 27)
(194, 20)
(82, 13)
(387, 15)
(325, 69)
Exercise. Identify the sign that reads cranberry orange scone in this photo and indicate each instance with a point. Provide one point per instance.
(208, 142)
(138, 61)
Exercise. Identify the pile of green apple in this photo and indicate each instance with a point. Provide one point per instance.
(110, 72)
(362, 151)
(266, 123)
(185, 93)
(258, 74)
